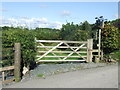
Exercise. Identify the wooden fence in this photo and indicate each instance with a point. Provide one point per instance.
(63, 50)
(16, 66)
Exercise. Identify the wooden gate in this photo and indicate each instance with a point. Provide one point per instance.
(54, 50)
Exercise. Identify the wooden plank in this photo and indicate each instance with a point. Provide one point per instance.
(55, 41)
(95, 50)
(50, 50)
(74, 51)
(62, 51)
(57, 60)
(60, 47)
(6, 68)
(63, 56)
(7, 81)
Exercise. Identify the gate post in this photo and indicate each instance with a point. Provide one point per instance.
(89, 50)
(17, 64)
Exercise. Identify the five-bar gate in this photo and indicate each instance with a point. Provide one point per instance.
(54, 50)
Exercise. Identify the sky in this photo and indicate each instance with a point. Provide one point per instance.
(54, 14)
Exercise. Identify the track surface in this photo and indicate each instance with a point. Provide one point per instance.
(101, 77)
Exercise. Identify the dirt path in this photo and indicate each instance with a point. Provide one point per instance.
(101, 77)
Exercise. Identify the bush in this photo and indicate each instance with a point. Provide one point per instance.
(46, 34)
(76, 32)
(26, 38)
(109, 38)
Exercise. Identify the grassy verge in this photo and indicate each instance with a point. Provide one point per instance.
(116, 55)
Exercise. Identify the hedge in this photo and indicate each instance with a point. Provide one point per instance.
(26, 38)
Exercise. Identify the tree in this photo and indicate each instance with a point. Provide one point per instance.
(68, 31)
(72, 31)
(116, 23)
(86, 26)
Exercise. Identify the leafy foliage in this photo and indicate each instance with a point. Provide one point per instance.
(26, 39)
(76, 32)
(109, 38)
(69, 31)
(116, 23)
(86, 26)
(46, 33)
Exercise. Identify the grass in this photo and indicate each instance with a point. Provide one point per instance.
(116, 55)
(41, 75)
(60, 54)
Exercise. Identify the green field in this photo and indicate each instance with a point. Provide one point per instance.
(61, 54)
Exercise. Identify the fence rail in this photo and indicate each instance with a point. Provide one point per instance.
(56, 41)
(62, 51)
(60, 47)
(16, 67)
(6, 68)
(3, 74)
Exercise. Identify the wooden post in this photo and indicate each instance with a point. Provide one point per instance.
(96, 59)
(3, 76)
(101, 54)
(99, 46)
(89, 50)
(17, 58)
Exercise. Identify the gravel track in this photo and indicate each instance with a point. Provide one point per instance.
(74, 70)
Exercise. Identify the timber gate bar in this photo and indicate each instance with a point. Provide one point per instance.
(57, 51)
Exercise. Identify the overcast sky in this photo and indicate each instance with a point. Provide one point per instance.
(54, 14)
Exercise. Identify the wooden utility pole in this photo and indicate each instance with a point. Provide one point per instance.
(17, 64)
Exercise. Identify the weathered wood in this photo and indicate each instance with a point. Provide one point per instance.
(57, 60)
(50, 50)
(3, 76)
(56, 41)
(6, 68)
(7, 81)
(17, 64)
(101, 54)
(62, 51)
(99, 47)
(60, 47)
(95, 50)
(63, 56)
(96, 59)
(75, 51)
(90, 48)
